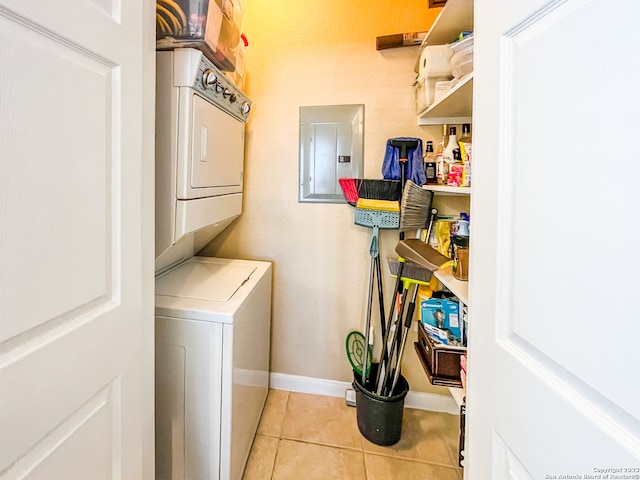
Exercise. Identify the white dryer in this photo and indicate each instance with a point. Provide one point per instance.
(212, 366)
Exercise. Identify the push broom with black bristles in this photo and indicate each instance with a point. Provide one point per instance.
(380, 190)
(370, 194)
(381, 195)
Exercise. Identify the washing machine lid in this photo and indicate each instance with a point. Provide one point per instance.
(204, 280)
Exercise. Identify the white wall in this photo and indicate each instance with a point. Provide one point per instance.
(320, 53)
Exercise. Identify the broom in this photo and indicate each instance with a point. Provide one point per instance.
(416, 205)
(415, 212)
(349, 189)
(382, 195)
(380, 190)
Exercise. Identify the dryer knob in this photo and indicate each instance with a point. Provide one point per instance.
(227, 93)
(219, 88)
(245, 108)
(209, 78)
(233, 98)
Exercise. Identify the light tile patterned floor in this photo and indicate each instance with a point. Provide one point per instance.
(312, 437)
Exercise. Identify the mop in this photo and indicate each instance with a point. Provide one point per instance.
(403, 160)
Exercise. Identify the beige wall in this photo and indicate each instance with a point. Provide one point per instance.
(317, 52)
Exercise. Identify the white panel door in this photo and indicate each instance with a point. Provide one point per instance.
(554, 329)
(76, 247)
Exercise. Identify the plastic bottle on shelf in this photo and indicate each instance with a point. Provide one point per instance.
(460, 248)
(451, 157)
(441, 166)
(430, 164)
(448, 155)
(463, 224)
(465, 153)
(456, 170)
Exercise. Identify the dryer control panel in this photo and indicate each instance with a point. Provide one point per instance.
(196, 71)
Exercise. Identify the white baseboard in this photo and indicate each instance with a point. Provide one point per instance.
(334, 388)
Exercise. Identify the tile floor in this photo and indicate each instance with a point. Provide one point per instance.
(313, 437)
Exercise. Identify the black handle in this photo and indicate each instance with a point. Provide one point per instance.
(410, 309)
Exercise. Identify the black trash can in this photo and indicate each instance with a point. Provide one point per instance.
(379, 418)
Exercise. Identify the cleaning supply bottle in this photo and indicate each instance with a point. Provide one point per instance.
(451, 157)
(456, 170)
(441, 166)
(448, 155)
(430, 164)
(463, 224)
(465, 153)
(460, 247)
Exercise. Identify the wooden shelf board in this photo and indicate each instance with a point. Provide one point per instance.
(458, 395)
(459, 288)
(448, 190)
(455, 17)
(455, 107)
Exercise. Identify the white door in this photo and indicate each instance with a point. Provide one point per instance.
(554, 329)
(76, 245)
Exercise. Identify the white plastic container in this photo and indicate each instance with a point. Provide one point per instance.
(461, 61)
(442, 88)
(425, 90)
(462, 44)
(212, 26)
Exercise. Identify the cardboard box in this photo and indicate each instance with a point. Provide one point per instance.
(214, 27)
(442, 314)
(424, 92)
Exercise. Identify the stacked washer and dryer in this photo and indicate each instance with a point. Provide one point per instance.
(213, 315)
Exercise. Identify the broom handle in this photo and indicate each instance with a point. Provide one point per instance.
(384, 353)
(394, 341)
(374, 251)
(380, 297)
(367, 327)
(403, 180)
(405, 333)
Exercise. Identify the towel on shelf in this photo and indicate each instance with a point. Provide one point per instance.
(415, 167)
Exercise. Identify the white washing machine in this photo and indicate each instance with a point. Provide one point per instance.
(213, 320)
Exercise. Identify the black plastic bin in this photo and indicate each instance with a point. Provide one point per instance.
(379, 418)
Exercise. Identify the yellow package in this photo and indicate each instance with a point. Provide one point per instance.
(443, 236)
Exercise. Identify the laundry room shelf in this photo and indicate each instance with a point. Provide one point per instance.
(455, 17)
(458, 288)
(458, 395)
(454, 108)
(448, 190)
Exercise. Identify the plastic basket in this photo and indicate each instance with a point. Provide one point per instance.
(377, 218)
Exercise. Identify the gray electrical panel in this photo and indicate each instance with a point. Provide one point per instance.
(331, 147)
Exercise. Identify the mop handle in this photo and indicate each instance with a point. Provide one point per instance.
(395, 339)
(405, 334)
(392, 310)
(373, 251)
